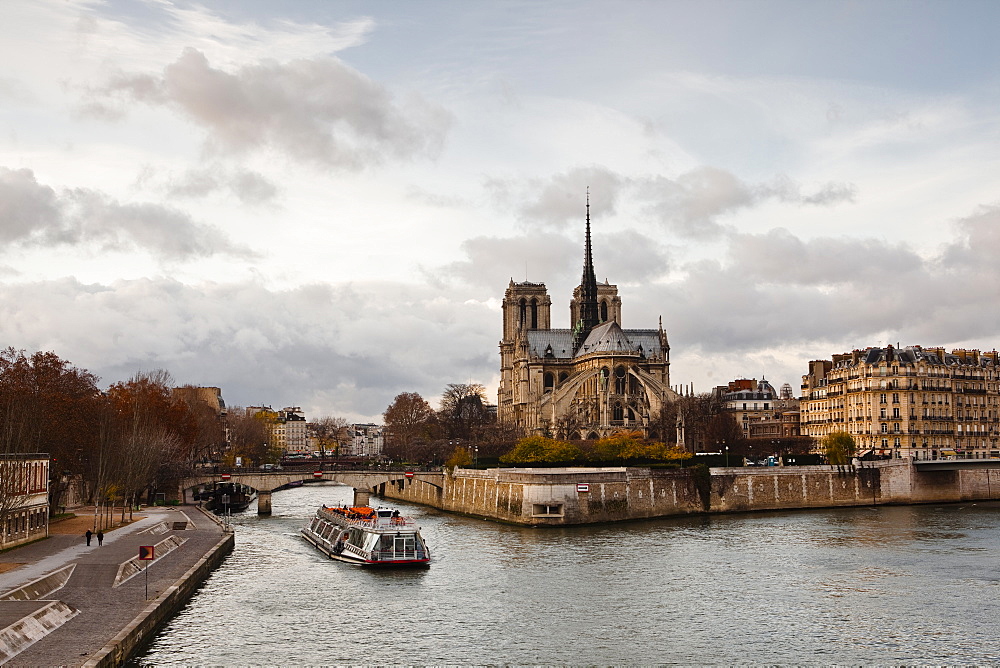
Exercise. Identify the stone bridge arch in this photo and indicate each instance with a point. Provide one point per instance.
(265, 482)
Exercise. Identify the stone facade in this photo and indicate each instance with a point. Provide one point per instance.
(915, 402)
(585, 382)
(556, 497)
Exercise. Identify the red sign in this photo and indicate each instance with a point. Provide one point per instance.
(225, 476)
(317, 474)
(146, 552)
(582, 487)
(409, 474)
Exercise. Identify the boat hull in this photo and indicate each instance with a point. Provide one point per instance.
(324, 547)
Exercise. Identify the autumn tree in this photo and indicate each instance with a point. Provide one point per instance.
(839, 447)
(410, 428)
(541, 449)
(47, 406)
(147, 438)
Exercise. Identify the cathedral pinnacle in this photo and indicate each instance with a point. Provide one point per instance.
(589, 312)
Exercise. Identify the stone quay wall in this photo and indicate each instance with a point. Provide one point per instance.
(555, 497)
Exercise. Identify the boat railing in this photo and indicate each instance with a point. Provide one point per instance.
(399, 555)
(368, 522)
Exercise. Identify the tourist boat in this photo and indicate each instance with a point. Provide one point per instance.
(229, 497)
(367, 536)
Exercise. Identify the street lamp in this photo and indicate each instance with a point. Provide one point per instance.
(727, 456)
(475, 461)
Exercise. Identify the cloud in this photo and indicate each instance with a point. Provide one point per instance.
(251, 188)
(779, 257)
(329, 348)
(314, 110)
(693, 204)
(32, 214)
(559, 200)
(492, 262)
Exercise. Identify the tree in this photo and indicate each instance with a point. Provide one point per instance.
(839, 447)
(249, 435)
(463, 410)
(330, 433)
(459, 457)
(540, 449)
(47, 406)
(410, 427)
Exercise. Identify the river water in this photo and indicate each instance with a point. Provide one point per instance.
(894, 585)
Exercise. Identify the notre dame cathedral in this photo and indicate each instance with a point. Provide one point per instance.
(581, 383)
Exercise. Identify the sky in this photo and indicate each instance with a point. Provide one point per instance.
(321, 203)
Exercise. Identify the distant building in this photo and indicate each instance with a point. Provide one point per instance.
(914, 402)
(288, 427)
(24, 498)
(366, 440)
(589, 381)
(294, 428)
(760, 411)
(210, 396)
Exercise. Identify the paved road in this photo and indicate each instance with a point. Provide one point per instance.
(104, 610)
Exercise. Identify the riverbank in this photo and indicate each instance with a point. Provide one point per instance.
(572, 496)
(68, 604)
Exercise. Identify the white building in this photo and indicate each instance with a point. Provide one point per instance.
(367, 440)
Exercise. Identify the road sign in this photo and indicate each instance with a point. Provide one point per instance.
(582, 487)
(146, 552)
(409, 474)
(226, 476)
(317, 474)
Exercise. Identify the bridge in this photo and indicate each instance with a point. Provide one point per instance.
(265, 482)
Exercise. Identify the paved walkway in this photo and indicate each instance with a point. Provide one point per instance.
(104, 610)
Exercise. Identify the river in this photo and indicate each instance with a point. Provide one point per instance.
(906, 584)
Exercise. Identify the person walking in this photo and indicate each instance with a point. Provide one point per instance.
(88, 535)
(100, 538)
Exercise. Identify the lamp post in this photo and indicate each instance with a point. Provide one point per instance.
(475, 461)
(727, 455)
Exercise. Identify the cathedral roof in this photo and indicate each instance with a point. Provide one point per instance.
(607, 337)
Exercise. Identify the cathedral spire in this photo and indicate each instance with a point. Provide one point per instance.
(589, 312)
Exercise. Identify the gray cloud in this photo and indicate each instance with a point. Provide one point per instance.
(317, 110)
(692, 204)
(32, 214)
(331, 349)
(780, 257)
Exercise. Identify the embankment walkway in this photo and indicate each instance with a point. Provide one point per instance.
(67, 604)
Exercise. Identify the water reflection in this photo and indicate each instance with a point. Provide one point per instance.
(889, 584)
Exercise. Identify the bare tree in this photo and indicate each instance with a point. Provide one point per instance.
(330, 434)
(249, 435)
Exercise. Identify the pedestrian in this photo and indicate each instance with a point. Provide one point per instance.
(100, 538)
(88, 535)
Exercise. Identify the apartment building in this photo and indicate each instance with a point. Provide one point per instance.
(923, 403)
(24, 498)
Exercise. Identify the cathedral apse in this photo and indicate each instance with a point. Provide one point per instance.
(585, 382)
